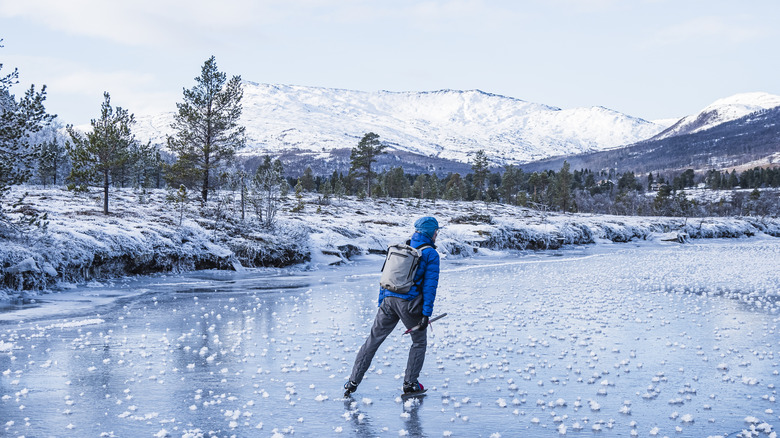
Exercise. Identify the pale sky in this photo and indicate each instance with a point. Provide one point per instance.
(647, 58)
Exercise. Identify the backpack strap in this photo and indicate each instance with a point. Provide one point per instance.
(420, 248)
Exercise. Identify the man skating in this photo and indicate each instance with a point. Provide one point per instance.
(412, 308)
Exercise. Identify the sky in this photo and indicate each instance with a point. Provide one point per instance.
(653, 59)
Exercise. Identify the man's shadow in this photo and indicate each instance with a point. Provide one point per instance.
(360, 422)
(413, 425)
(363, 427)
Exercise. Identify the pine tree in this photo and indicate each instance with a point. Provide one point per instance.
(179, 199)
(627, 182)
(479, 167)
(307, 180)
(662, 199)
(396, 183)
(420, 186)
(327, 191)
(19, 120)
(364, 155)
(454, 189)
(103, 149)
(206, 126)
(299, 196)
(339, 189)
(145, 165)
(51, 158)
(733, 179)
(434, 190)
(509, 184)
(533, 183)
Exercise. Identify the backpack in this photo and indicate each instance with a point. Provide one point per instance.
(400, 266)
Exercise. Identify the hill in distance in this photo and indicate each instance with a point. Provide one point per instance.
(750, 141)
(439, 131)
(432, 130)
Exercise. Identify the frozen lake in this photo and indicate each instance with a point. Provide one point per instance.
(631, 339)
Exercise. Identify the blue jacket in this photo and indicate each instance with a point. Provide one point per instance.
(427, 275)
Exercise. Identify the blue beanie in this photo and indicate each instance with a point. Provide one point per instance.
(426, 225)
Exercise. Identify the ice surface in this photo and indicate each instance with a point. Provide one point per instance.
(645, 339)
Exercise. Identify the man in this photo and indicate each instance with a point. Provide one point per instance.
(412, 308)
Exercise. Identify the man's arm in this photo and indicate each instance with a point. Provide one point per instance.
(431, 280)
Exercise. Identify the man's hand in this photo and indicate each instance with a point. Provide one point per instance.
(423, 323)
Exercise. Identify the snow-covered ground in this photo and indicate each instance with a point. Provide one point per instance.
(647, 338)
(143, 234)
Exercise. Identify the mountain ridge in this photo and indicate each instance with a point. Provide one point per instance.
(439, 130)
(747, 141)
(447, 124)
(721, 111)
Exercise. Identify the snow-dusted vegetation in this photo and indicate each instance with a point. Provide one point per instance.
(146, 233)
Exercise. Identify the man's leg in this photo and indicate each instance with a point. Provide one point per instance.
(411, 313)
(416, 356)
(384, 323)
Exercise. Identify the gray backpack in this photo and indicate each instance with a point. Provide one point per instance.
(400, 266)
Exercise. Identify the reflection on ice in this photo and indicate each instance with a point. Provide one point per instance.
(640, 340)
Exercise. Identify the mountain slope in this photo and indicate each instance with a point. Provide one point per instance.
(445, 124)
(751, 139)
(721, 111)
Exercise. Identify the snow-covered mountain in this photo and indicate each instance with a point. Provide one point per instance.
(721, 111)
(448, 124)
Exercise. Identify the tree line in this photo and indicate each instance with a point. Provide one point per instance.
(582, 190)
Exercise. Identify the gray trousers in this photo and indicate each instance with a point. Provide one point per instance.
(390, 312)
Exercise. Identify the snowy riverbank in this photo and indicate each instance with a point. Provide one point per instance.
(142, 234)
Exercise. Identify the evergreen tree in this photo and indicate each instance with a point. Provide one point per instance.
(590, 182)
(51, 158)
(206, 127)
(339, 189)
(364, 155)
(687, 178)
(509, 185)
(19, 120)
(733, 180)
(299, 196)
(660, 204)
(103, 149)
(146, 165)
(327, 192)
(420, 186)
(179, 199)
(479, 167)
(534, 186)
(307, 180)
(396, 183)
(577, 181)
(433, 188)
(628, 182)
(563, 187)
(454, 189)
